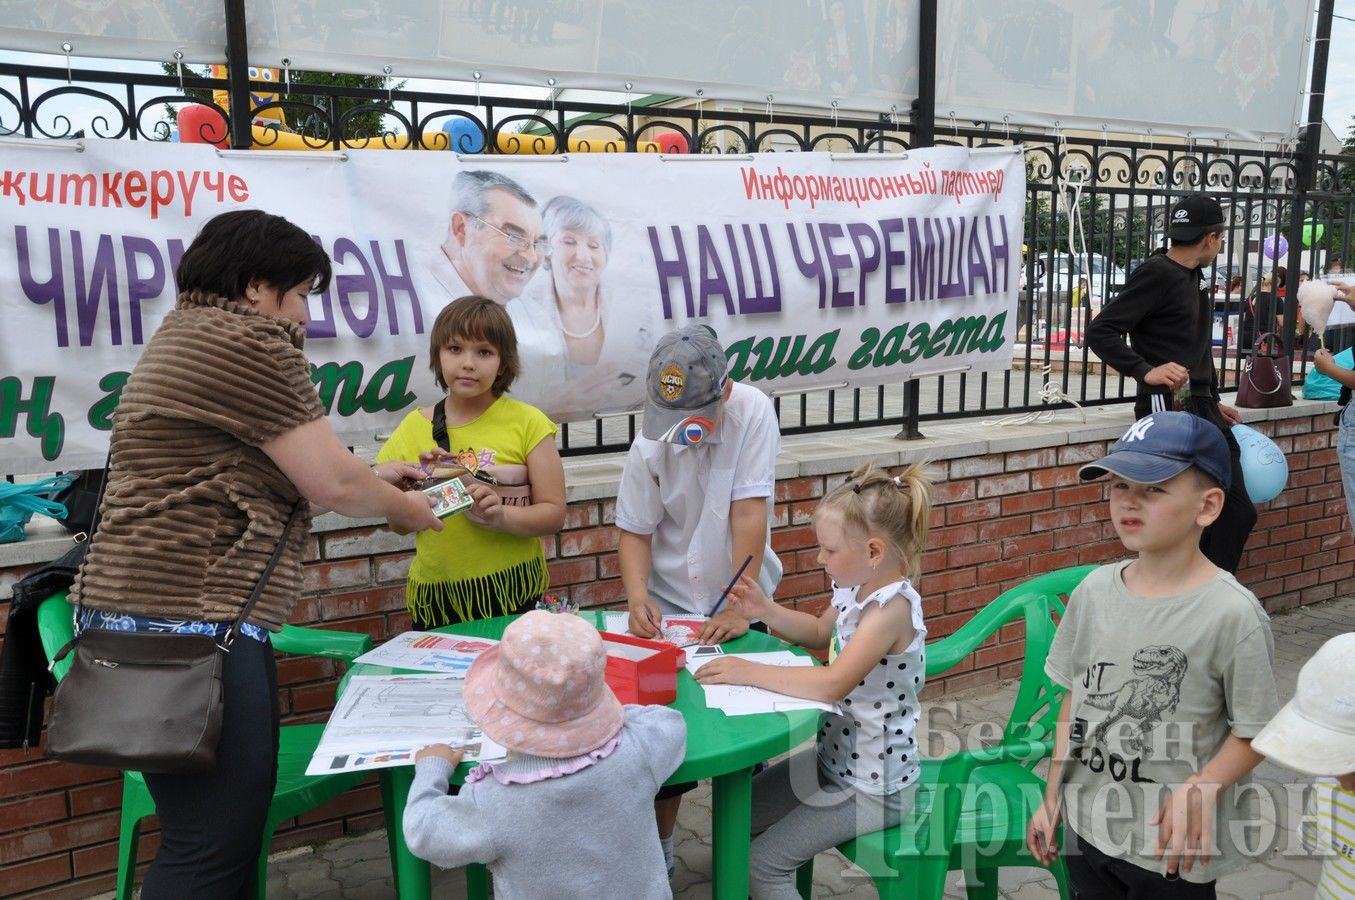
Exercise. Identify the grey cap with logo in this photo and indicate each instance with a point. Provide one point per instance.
(684, 386)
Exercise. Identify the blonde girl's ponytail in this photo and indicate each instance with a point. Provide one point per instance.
(896, 507)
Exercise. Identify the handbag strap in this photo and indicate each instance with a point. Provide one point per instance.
(1258, 346)
(88, 537)
(440, 436)
(254, 596)
(229, 637)
(1279, 379)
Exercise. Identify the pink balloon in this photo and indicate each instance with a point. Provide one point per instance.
(199, 124)
(671, 142)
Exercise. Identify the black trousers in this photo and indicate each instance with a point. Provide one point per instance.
(1222, 542)
(1096, 876)
(211, 824)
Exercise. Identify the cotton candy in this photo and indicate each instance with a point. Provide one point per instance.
(1315, 302)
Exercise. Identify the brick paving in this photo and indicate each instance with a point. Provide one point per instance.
(357, 868)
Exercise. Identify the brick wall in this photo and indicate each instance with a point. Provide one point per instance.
(1000, 518)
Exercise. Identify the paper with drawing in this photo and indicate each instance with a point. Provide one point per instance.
(679, 630)
(745, 700)
(382, 720)
(448, 653)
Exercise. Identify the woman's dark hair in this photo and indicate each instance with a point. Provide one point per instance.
(237, 247)
(473, 318)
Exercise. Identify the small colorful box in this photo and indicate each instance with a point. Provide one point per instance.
(451, 496)
(642, 671)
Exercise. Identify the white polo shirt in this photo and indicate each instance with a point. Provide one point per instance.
(681, 497)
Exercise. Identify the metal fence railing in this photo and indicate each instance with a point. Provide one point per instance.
(1095, 207)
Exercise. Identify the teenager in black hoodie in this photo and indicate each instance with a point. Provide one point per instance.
(1168, 316)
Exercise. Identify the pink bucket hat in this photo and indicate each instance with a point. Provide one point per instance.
(541, 690)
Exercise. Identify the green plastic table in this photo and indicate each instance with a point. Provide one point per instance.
(722, 748)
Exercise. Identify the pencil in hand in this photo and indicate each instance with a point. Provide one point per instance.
(724, 595)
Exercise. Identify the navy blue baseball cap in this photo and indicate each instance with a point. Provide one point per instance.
(1163, 445)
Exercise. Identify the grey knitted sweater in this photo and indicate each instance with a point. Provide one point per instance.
(585, 835)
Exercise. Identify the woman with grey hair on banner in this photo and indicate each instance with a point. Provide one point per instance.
(574, 337)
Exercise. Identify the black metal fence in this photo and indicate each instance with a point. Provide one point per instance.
(1096, 206)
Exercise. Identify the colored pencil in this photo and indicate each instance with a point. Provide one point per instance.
(729, 587)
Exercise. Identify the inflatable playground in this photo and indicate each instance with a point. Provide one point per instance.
(203, 124)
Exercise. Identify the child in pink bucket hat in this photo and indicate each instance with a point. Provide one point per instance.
(570, 812)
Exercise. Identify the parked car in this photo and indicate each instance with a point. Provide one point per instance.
(1104, 278)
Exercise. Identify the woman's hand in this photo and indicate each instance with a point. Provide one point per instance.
(415, 513)
(1324, 362)
(404, 475)
(452, 755)
(725, 670)
(488, 509)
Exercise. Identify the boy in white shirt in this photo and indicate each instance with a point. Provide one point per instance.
(696, 501)
(1315, 733)
(696, 494)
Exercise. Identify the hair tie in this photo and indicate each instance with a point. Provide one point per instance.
(898, 482)
(856, 488)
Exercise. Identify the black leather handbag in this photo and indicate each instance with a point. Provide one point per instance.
(145, 701)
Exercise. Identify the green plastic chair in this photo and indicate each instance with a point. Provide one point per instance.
(996, 788)
(296, 791)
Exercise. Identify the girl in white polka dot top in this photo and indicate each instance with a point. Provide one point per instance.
(861, 775)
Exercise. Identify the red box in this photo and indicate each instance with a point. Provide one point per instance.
(637, 676)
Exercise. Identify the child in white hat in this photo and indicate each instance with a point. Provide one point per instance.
(1315, 733)
(570, 812)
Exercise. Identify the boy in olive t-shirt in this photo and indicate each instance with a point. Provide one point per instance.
(1167, 662)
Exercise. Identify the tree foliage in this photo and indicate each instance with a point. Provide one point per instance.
(367, 123)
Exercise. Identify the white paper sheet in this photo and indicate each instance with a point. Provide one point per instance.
(679, 630)
(450, 654)
(746, 700)
(382, 720)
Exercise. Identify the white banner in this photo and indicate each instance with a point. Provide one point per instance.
(861, 53)
(815, 270)
(1223, 69)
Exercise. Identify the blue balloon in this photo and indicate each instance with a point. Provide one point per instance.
(1264, 468)
(465, 136)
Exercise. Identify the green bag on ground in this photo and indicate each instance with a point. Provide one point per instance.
(1317, 386)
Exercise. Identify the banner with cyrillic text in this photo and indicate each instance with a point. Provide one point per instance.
(814, 269)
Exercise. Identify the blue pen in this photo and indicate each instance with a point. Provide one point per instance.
(729, 587)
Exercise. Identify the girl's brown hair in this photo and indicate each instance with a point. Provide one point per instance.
(476, 319)
(896, 507)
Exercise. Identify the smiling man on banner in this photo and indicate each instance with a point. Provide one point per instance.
(494, 242)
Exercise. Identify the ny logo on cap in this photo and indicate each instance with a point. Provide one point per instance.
(1139, 430)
